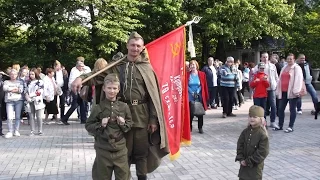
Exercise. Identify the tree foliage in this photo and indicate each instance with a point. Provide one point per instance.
(304, 34)
(160, 17)
(59, 29)
(240, 20)
(36, 32)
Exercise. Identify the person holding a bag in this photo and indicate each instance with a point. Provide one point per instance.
(198, 93)
(34, 96)
(62, 86)
(289, 89)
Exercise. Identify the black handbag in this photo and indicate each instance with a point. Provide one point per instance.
(196, 108)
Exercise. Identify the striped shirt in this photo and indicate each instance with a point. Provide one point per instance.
(228, 77)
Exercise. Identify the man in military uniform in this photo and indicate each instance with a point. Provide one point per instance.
(140, 90)
(108, 122)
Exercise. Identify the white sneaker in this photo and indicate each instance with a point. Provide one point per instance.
(31, 133)
(16, 133)
(235, 107)
(299, 112)
(274, 125)
(8, 135)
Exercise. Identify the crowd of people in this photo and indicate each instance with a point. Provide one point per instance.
(271, 84)
(136, 122)
(27, 92)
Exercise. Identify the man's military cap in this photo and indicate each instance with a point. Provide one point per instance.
(135, 35)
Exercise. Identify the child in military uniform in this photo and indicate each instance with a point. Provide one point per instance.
(108, 122)
(253, 146)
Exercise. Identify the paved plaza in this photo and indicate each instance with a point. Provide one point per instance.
(66, 152)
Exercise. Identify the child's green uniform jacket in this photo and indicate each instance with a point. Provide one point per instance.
(253, 147)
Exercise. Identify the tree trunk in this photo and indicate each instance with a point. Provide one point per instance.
(205, 48)
(94, 30)
(119, 48)
(220, 50)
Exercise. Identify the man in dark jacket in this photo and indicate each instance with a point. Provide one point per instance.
(212, 82)
(307, 77)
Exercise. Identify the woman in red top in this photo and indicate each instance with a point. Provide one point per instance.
(260, 84)
(197, 90)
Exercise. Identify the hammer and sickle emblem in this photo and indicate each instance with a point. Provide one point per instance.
(175, 49)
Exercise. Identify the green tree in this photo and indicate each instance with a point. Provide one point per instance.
(59, 29)
(160, 17)
(51, 30)
(111, 22)
(238, 21)
(304, 33)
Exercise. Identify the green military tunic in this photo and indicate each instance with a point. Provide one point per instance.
(134, 90)
(253, 148)
(110, 144)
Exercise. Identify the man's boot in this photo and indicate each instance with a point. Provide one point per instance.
(142, 177)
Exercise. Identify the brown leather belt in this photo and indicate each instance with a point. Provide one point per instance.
(135, 102)
(116, 138)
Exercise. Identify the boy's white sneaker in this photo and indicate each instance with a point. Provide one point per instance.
(16, 133)
(274, 125)
(299, 112)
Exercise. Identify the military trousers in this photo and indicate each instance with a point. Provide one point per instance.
(106, 162)
(138, 148)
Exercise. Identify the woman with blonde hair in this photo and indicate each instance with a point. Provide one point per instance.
(99, 64)
(16, 67)
(13, 89)
(61, 80)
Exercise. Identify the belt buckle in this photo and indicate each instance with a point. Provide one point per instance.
(134, 102)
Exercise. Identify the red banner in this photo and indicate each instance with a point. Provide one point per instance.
(167, 57)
